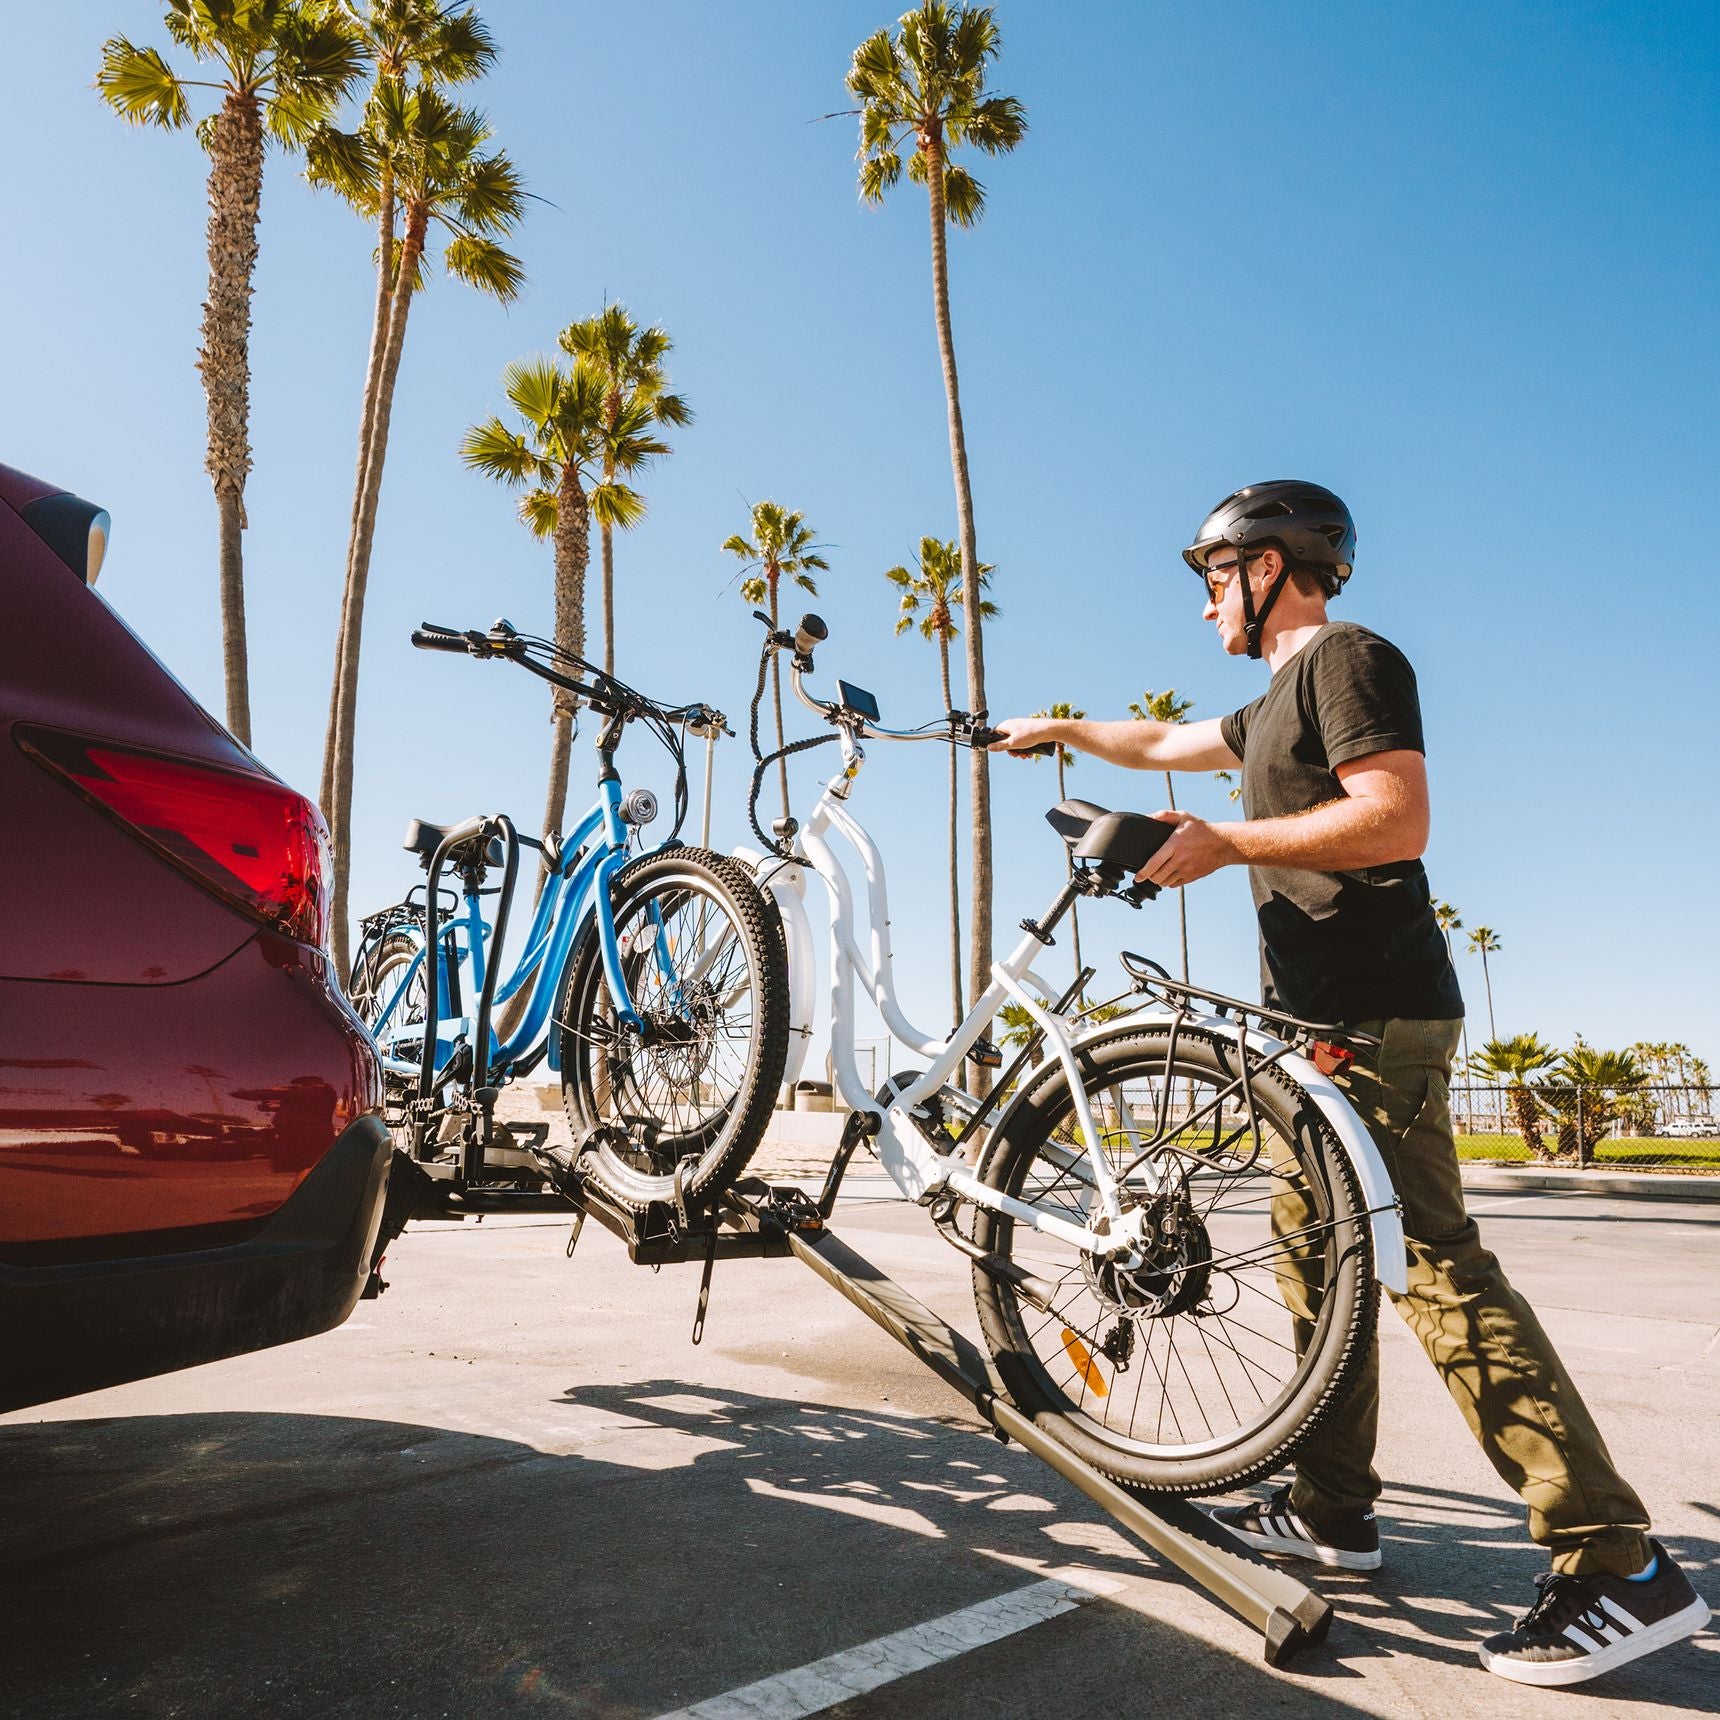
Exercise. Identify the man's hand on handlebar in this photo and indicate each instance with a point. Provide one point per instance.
(1026, 737)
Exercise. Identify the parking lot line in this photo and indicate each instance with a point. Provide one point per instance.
(821, 1684)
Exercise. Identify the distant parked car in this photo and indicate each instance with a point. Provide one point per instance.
(192, 1156)
(1689, 1129)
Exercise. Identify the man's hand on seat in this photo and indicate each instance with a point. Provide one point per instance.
(1197, 849)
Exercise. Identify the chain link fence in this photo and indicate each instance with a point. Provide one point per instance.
(1651, 1128)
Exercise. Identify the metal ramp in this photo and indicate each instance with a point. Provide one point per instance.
(754, 1219)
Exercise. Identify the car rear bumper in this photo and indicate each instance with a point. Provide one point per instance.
(68, 1328)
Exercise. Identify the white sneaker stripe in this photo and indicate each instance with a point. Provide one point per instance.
(1628, 1620)
(1302, 1529)
(1586, 1643)
(1608, 1633)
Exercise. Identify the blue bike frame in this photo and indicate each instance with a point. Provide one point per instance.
(578, 888)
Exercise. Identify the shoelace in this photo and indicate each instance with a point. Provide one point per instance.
(1563, 1598)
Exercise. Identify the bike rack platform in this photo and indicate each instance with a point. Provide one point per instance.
(754, 1219)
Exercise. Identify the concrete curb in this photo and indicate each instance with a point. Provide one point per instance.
(1645, 1185)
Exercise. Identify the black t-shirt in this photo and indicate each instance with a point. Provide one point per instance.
(1339, 946)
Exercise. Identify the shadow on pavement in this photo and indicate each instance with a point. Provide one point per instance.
(285, 1564)
(644, 1547)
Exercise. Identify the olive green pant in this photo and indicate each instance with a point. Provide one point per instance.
(1496, 1361)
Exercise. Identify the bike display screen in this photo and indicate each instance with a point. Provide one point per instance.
(858, 700)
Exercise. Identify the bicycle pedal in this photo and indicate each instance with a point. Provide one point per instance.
(984, 1055)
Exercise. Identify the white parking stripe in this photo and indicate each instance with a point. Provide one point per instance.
(839, 1677)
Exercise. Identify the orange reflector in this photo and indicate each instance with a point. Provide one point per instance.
(1085, 1366)
(1332, 1059)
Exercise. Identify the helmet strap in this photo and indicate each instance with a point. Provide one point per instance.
(1254, 621)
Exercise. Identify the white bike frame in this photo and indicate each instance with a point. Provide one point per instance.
(906, 1152)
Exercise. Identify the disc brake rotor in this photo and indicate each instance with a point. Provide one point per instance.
(1173, 1271)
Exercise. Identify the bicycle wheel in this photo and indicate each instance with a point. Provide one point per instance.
(703, 955)
(1247, 1312)
(377, 969)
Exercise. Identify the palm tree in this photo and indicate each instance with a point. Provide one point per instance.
(1066, 762)
(1167, 707)
(927, 86)
(1600, 1085)
(422, 161)
(1449, 920)
(562, 452)
(630, 361)
(781, 546)
(930, 597)
(1515, 1060)
(1018, 1027)
(1485, 942)
(279, 67)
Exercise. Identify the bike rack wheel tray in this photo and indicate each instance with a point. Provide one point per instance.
(753, 1219)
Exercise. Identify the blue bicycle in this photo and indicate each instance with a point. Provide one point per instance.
(655, 986)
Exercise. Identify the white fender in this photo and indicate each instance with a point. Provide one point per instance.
(1391, 1257)
(787, 887)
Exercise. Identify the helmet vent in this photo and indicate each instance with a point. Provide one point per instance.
(1268, 511)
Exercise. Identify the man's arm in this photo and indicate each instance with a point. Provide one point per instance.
(1135, 744)
(1381, 818)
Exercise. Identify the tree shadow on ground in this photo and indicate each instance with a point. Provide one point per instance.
(640, 1548)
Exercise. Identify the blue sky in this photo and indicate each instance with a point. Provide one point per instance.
(1455, 261)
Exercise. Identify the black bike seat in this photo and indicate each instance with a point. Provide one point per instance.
(423, 837)
(1072, 819)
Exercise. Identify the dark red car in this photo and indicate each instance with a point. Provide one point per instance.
(192, 1156)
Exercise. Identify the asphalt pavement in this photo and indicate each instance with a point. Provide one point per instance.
(512, 1486)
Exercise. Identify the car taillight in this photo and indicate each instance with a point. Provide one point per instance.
(249, 839)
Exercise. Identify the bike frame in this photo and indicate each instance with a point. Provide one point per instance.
(576, 888)
(910, 1160)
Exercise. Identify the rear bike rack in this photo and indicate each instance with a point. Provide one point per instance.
(753, 1219)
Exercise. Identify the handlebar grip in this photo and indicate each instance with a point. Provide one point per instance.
(987, 737)
(429, 638)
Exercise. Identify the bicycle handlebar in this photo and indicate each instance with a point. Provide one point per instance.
(429, 637)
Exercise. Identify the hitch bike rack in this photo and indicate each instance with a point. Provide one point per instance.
(753, 1219)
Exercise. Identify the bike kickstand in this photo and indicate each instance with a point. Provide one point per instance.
(705, 1286)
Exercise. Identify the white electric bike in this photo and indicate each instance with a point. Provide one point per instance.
(1176, 1220)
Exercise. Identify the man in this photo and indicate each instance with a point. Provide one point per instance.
(1334, 792)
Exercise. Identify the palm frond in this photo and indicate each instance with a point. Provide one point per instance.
(346, 163)
(491, 448)
(617, 506)
(964, 196)
(483, 264)
(754, 591)
(139, 85)
(735, 544)
(536, 388)
(878, 173)
(538, 511)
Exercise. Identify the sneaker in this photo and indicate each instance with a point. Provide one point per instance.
(1580, 1627)
(1271, 1525)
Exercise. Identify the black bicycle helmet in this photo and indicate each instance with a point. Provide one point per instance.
(1309, 524)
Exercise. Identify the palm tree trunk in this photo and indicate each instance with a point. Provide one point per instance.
(957, 1008)
(366, 423)
(1486, 980)
(235, 201)
(979, 777)
(572, 559)
(776, 691)
(607, 538)
(358, 576)
(1182, 898)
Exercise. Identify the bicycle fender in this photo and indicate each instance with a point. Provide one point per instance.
(1385, 1217)
(1391, 1254)
(787, 887)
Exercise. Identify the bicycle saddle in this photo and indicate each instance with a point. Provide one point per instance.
(1127, 840)
(1072, 818)
(423, 837)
